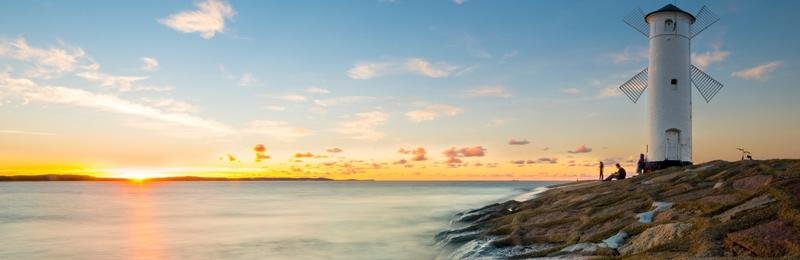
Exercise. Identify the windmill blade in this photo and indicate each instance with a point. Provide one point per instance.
(635, 19)
(703, 19)
(635, 86)
(705, 84)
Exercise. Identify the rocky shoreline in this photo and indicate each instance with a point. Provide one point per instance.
(716, 209)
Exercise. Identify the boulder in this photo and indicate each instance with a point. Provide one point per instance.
(771, 239)
(753, 203)
(654, 237)
(752, 183)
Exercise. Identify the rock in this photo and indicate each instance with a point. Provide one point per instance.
(724, 199)
(753, 203)
(772, 239)
(752, 183)
(654, 237)
(666, 177)
(667, 215)
(718, 185)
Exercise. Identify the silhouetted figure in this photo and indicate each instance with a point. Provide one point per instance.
(749, 157)
(601, 170)
(619, 175)
(640, 165)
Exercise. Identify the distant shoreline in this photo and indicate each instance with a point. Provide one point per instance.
(67, 177)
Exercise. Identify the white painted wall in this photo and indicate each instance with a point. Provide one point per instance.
(669, 106)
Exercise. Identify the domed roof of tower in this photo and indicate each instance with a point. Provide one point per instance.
(670, 8)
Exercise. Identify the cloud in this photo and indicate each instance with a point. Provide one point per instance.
(19, 132)
(340, 100)
(334, 150)
(609, 91)
(45, 62)
(230, 157)
(149, 64)
(453, 154)
(518, 142)
(248, 79)
(629, 54)
(207, 20)
(401, 161)
(123, 83)
(581, 149)
(277, 129)
(419, 66)
(261, 152)
(705, 59)
(275, 108)
(363, 126)
(547, 160)
(30, 91)
(459, 2)
(497, 122)
(488, 91)
(171, 105)
(572, 91)
(760, 72)
(417, 154)
(303, 155)
(291, 97)
(432, 112)
(317, 90)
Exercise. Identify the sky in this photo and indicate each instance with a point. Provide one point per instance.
(385, 90)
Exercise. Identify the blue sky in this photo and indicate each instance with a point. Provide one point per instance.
(371, 77)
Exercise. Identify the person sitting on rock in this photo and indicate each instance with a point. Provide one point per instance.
(619, 175)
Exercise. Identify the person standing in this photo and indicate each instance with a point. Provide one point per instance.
(640, 165)
(601, 170)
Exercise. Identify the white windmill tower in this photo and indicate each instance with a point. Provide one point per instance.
(670, 76)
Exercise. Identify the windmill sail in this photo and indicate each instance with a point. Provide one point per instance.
(635, 86)
(705, 84)
(704, 19)
(635, 19)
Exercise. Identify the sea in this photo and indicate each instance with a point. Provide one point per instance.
(237, 219)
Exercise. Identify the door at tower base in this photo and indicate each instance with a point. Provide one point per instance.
(673, 145)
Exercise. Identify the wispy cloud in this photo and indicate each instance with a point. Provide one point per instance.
(518, 142)
(317, 90)
(123, 83)
(291, 97)
(248, 79)
(45, 63)
(363, 126)
(488, 91)
(340, 100)
(149, 64)
(705, 59)
(419, 66)
(629, 54)
(277, 129)
(31, 91)
(453, 153)
(572, 91)
(20, 132)
(760, 72)
(459, 2)
(208, 20)
(261, 152)
(171, 105)
(432, 112)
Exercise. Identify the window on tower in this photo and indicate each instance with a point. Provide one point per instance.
(673, 82)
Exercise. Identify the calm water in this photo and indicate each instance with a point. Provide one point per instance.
(298, 220)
